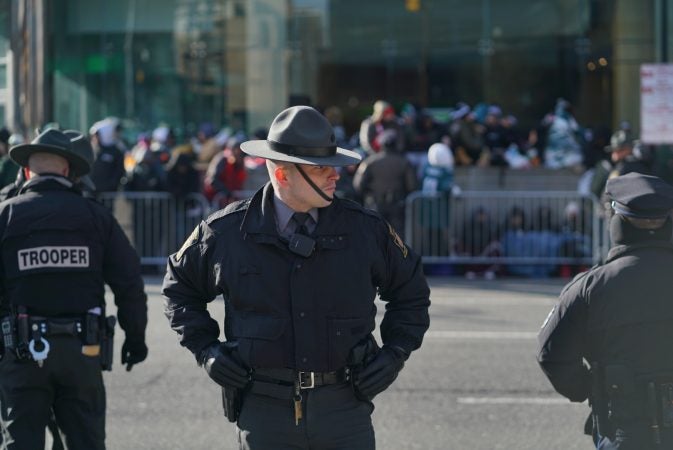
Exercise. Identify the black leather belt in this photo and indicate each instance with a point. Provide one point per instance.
(52, 326)
(306, 380)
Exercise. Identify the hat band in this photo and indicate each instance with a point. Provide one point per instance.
(295, 150)
(625, 211)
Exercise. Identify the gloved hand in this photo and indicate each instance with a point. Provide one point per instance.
(380, 373)
(223, 368)
(133, 352)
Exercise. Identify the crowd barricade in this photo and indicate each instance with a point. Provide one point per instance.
(528, 233)
(156, 223)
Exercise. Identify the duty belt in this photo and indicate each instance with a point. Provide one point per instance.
(52, 326)
(281, 383)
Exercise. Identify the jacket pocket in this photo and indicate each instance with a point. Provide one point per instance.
(258, 326)
(343, 334)
(259, 339)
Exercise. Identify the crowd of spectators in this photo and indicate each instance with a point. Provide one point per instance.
(415, 149)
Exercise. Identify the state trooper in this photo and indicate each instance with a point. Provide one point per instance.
(618, 318)
(57, 251)
(299, 270)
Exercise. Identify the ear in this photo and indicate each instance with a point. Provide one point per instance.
(280, 175)
(26, 172)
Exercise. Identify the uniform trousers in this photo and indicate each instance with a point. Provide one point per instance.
(637, 437)
(333, 419)
(69, 383)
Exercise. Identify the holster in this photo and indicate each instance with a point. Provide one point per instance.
(232, 398)
(599, 403)
(107, 342)
(361, 355)
(231, 403)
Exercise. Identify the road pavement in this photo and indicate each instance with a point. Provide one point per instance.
(473, 385)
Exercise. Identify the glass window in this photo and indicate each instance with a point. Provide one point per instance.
(4, 27)
(238, 62)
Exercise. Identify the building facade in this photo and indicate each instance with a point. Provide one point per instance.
(238, 62)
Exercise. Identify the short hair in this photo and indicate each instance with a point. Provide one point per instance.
(271, 165)
(41, 162)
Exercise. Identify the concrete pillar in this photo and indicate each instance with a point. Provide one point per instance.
(633, 44)
(267, 61)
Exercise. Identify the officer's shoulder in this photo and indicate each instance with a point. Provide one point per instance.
(581, 279)
(355, 208)
(232, 210)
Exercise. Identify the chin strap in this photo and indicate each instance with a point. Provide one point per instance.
(312, 184)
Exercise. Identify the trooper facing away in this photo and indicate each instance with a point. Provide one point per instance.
(618, 318)
(57, 251)
(299, 270)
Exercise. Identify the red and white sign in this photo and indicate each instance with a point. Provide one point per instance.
(656, 103)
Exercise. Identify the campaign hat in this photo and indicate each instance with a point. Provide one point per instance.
(55, 142)
(301, 135)
(640, 196)
(81, 145)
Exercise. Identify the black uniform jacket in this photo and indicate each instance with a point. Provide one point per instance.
(58, 249)
(285, 310)
(617, 313)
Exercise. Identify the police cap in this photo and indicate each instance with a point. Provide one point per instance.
(619, 139)
(641, 196)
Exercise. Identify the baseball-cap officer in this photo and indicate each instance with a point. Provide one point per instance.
(620, 140)
(640, 196)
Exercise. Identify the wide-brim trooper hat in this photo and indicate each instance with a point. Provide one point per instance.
(301, 135)
(54, 142)
(640, 196)
(81, 145)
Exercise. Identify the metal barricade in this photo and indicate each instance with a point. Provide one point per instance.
(156, 223)
(531, 232)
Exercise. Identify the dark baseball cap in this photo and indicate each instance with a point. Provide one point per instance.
(641, 196)
(619, 139)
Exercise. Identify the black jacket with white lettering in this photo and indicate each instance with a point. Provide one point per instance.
(285, 310)
(58, 249)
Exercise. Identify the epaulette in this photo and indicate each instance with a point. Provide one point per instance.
(351, 204)
(231, 208)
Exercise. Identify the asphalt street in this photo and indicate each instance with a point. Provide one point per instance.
(473, 385)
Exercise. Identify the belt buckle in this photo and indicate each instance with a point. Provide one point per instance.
(301, 379)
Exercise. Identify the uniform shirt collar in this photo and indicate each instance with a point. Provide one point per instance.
(284, 216)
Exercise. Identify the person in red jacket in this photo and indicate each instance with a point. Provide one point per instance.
(226, 172)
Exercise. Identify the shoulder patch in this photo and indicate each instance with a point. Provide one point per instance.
(397, 240)
(191, 240)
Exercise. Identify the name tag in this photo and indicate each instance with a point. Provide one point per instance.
(40, 257)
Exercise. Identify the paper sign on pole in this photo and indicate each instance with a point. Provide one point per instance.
(656, 103)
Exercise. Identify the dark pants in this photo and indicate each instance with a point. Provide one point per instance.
(636, 438)
(69, 383)
(334, 419)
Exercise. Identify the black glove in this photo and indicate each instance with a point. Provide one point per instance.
(223, 368)
(133, 352)
(380, 373)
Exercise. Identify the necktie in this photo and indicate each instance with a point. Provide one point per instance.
(300, 219)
